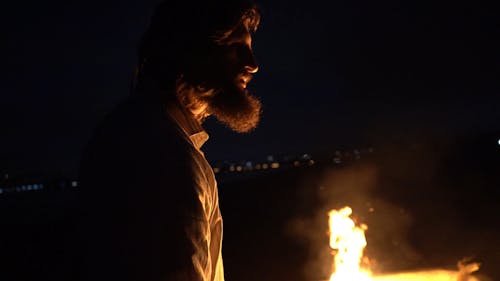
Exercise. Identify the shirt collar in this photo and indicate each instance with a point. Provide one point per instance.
(178, 113)
(188, 124)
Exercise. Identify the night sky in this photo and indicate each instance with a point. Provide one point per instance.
(332, 74)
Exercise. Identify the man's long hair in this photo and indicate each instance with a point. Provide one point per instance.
(182, 34)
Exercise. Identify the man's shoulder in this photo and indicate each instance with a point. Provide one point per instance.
(139, 126)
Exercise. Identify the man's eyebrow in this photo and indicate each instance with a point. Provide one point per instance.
(235, 32)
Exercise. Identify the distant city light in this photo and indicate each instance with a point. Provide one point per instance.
(74, 183)
(498, 141)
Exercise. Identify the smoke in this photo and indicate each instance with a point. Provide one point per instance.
(356, 187)
(403, 197)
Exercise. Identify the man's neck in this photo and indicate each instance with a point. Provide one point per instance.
(193, 101)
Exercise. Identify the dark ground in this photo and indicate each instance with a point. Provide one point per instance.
(425, 214)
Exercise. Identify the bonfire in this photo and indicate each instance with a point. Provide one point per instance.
(348, 241)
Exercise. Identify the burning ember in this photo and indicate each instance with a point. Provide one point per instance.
(348, 241)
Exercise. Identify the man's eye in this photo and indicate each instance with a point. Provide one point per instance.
(239, 48)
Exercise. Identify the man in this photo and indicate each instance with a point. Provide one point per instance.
(149, 197)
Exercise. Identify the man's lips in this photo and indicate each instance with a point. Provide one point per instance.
(243, 83)
(244, 80)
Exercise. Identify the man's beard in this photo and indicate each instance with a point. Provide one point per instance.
(235, 107)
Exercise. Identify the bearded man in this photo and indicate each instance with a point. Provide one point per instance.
(149, 197)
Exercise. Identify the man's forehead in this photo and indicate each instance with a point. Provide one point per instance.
(239, 34)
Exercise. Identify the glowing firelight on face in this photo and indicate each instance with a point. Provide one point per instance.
(348, 241)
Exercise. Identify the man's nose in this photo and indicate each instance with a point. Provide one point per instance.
(251, 64)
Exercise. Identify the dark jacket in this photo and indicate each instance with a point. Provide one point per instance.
(150, 208)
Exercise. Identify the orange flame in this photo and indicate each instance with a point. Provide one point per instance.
(348, 241)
